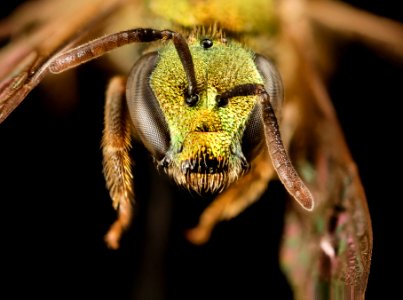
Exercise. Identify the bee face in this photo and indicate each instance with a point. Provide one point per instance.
(202, 144)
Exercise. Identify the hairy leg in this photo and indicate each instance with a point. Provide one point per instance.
(116, 144)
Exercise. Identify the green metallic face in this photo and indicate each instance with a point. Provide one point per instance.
(205, 151)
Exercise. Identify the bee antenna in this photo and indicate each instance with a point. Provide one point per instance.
(185, 56)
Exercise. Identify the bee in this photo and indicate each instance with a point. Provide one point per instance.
(206, 100)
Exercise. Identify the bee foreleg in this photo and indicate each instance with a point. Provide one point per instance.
(116, 144)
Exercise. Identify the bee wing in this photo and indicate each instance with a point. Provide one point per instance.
(328, 250)
(340, 251)
(382, 34)
(36, 38)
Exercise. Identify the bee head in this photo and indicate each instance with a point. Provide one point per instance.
(194, 129)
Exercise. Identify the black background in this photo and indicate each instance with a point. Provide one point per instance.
(55, 208)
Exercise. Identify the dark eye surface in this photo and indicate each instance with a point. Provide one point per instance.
(145, 111)
(272, 82)
(206, 43)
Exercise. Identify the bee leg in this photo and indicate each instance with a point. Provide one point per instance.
(235, 198)
(116, 143)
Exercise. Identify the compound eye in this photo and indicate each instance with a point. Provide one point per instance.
(206, 43)
(145, 111)
(272, 82)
